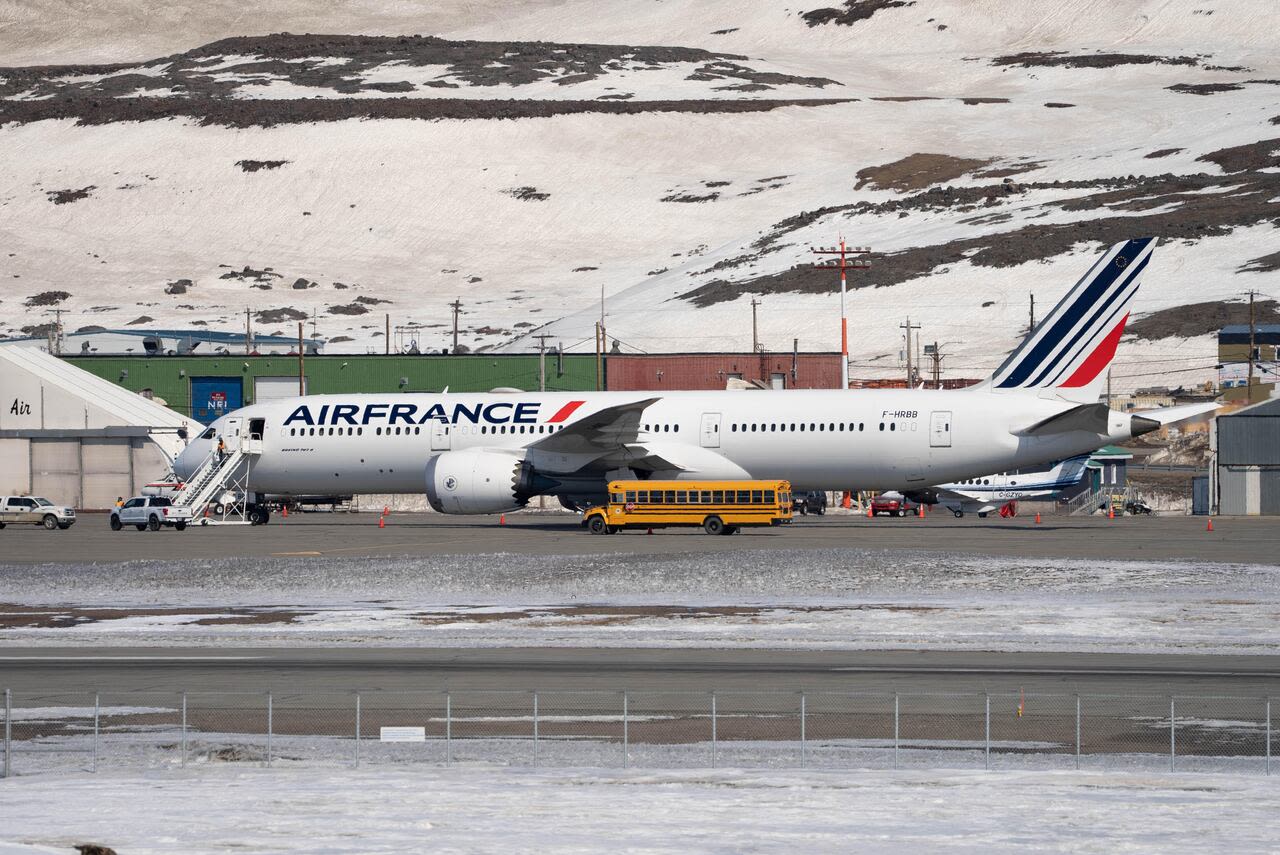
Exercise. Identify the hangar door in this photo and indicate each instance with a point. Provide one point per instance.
(55, 470)
(108, 470)
(274, 388)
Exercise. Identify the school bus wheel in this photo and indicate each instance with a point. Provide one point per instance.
(597, 525)
(713, 525)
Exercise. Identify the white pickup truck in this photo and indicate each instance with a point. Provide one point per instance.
(153, 512)
(33, 510)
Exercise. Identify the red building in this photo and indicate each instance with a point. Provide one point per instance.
(674, 371)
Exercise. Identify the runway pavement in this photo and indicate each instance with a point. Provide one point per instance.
(302, 670)
(1248, 540)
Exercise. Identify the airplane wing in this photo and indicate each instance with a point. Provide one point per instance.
(602, 432)
(1169, 415)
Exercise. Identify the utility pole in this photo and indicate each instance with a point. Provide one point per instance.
(248, 332)
(908, 326)
(55, 340)
(842, 265)
(542, 362)
(755, 329)
(457, 310)
(1031, 325)
(599, 355)
(302, 377)
(1108, 387)
(935, 353)
(386, 335)
(1252, 346)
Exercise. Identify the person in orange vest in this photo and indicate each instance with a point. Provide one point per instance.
(222, 448)
(119, 502)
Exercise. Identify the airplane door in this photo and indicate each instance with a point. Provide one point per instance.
(440, 431)
(710, 430)
(231, 432)
(940, 429)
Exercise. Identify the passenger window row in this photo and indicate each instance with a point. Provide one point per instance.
(814, 427)
(656, 428)
(417, 430)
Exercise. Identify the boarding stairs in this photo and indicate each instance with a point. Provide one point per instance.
(1097, 501)
(218, 474)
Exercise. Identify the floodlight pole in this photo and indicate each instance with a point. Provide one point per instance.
(843, 264)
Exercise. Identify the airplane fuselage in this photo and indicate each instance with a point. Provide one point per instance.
(817, 439)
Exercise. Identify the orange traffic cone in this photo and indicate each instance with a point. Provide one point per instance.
(1037, 518)
(386, 509)
(868, 511)
(285, 511)
(1111, 512)
(502, 519)
(382, 522)
(1210, 526)
(846, 501)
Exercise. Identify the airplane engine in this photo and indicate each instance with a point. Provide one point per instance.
(479, 481)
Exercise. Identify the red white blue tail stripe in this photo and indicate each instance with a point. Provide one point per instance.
(1073, 346)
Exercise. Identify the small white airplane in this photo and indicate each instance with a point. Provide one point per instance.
(488, 453)
(988, 493)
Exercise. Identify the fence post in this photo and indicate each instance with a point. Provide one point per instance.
(357, 730)
(802, 723)
(1077, 731)
(986, 743)
(182, 761)
(713, 729)
(97, 707)
(8, 733)
(270, 725)
(448, 729)
(1268, 736)
(1173, 735)
(895, 730)
(535, 730)
(626, 735)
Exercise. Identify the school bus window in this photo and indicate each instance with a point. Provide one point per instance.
(757, 496)
(706, 497)
(631, 495)
(618, 498)
(717, 497)
(768, 497)
(744, 497)
(642, 496)
(682, 497)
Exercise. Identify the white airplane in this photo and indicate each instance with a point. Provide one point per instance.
(488, 453)
(984, 494)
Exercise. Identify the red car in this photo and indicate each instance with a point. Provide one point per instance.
(894, 506)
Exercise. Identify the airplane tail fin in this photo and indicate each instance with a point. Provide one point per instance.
(1067, 354)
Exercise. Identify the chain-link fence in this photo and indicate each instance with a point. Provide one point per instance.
(825, 730)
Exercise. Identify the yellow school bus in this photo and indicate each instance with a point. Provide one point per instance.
(720, 507)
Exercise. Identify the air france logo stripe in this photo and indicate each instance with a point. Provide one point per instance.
(1100, 296)
(1092, 367)
(1120, 297)
(564, 412)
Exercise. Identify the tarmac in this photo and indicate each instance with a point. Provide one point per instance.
(1162, 538)
(51, 671)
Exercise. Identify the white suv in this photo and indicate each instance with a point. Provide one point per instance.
(151, 512)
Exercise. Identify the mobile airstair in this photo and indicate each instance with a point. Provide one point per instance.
(221, 474)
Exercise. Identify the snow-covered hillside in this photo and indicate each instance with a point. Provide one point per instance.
(682, 156)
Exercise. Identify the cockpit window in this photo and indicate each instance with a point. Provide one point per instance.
(208, 434)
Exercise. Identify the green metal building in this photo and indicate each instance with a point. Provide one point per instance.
(204, 387)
